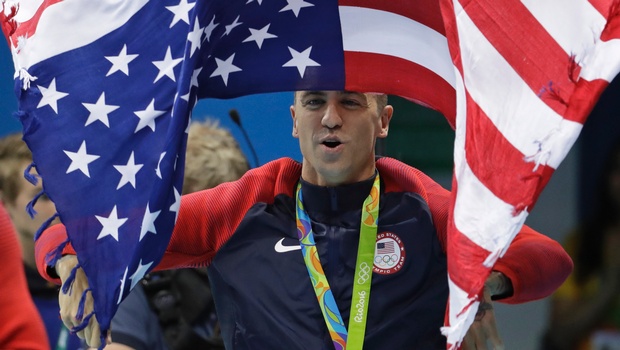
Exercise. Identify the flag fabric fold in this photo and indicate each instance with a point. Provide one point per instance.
(528, 74)
(106, 88)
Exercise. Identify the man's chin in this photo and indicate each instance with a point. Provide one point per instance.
(335, 174)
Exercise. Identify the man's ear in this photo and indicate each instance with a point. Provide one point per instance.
(386, 117)
(295, 134)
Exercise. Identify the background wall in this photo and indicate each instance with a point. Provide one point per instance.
(8, 103)
(423, 139)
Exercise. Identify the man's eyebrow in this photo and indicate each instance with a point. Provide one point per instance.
(308, 93)
(358, 94)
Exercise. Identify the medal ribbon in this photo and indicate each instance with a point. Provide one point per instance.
(362, 278)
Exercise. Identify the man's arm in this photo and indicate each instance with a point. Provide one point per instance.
(69, 303)
(484, 328)
(51, 239)
(535, 265)
(207, 219)
(191, 244)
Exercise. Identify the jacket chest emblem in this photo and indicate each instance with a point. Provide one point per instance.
(389, 254)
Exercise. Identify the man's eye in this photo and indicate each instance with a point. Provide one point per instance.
(313, 103)
(351, 103)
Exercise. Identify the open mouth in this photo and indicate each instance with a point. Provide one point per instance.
(331, 144)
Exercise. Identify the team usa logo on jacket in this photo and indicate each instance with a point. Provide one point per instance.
(389, 254)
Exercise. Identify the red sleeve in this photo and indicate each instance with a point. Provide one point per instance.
(207, 219)
(51, 239)
(21, 326)
(535, 264)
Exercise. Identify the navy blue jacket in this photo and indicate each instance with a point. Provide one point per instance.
(265, 299)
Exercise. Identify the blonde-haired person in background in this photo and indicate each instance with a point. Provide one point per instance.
(174, 310)
(15, 194)
(213, 156)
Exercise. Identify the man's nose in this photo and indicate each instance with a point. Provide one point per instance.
(331, 118)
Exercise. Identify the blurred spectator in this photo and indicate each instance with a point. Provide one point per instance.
(585, 312)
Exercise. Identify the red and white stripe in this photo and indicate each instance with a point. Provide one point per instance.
(59, 19)
(399, 48)
(527, 75)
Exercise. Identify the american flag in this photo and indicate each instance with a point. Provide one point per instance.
(106, 88)
(529, 73)
(385, 248)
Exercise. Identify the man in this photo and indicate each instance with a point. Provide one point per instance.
(173, 310)
(15, 193)
(250, 233)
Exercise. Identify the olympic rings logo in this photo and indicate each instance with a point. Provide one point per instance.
(364, 273)
(386, 260)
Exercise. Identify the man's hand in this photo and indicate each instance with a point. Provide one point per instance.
(484, 327)
(70, 302)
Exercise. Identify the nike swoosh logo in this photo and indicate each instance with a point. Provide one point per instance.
(281, 248)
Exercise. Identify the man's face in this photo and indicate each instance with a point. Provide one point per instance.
(337, 131)
(26, 226)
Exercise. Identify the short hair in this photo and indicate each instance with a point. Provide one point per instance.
(13, 153)
(213, 156)
(382, 101)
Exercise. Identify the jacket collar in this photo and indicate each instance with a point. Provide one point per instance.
(335, 199)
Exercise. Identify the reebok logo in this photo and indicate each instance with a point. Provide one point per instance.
(281, 248)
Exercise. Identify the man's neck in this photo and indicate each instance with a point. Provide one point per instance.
(332, 200)
(314, 177)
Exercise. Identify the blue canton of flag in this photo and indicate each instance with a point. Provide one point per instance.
(248, 44)
(105, 108)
